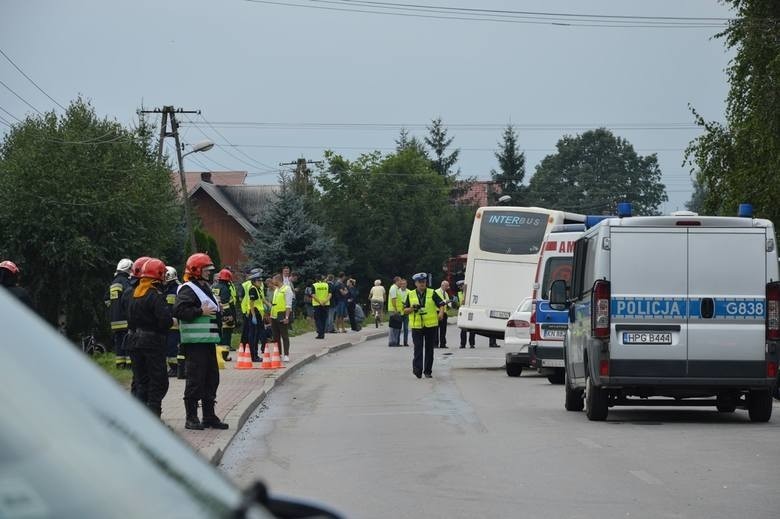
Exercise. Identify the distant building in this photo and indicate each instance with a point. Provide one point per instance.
(228, 209)
(477, 193)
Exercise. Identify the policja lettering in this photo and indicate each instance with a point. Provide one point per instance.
(666, 308)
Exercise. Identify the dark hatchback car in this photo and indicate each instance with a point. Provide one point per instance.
(73, 443)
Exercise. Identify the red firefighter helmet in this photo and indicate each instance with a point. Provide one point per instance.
(154, 269)
(138, 266)
(10, 266)
(197, 263)
(225, 275)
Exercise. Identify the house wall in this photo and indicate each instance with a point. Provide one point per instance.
(230, 236)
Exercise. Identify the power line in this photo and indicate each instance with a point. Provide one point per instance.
(255, 163)
(393, 148)
(20, 97)
(30, 79)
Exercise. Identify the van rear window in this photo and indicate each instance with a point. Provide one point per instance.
(512, 232)
(558, 267)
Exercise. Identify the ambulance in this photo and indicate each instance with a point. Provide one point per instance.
(548, 326)
(672, 310)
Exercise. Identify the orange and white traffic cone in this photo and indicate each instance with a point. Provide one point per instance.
(276, 359)
(244, 358)
(266, 358)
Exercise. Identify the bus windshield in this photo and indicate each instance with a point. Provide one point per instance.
(512, 232)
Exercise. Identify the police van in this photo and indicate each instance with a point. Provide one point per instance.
(673, 310)
(548, 326)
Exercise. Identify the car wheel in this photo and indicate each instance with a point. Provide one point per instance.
(574, 400)
(558, 377)
(514, 370)
(760, 405)
(596, 401)
(726, 402)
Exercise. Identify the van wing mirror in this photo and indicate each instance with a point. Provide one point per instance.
(558, 291)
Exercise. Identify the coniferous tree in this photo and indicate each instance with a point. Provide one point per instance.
(511, 164)
(438, 141)
(406, 142)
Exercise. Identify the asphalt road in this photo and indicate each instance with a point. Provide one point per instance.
(358, 431)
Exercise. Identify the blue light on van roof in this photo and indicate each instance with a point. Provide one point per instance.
(624, 209)
(591, 220)
(745, 211)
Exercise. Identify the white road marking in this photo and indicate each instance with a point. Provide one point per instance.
(646, 477)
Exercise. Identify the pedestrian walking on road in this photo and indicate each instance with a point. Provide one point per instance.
(320, 301)
(376, 298)
(424, 308)
(149, 316)
(200, 318)
(281, 310)
(443, 293)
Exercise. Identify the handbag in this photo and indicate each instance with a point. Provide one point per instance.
(395, 321)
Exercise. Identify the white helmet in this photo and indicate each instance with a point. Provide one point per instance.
(124, 265)
(170, 274)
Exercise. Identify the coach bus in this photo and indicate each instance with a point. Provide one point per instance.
(503, 252)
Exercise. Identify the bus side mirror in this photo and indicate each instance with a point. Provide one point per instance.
(558, 299)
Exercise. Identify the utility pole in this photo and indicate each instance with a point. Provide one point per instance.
(302, 171)
(169, 112)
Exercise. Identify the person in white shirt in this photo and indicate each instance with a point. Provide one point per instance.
(376, 297)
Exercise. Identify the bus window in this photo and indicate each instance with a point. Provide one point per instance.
(512, 232)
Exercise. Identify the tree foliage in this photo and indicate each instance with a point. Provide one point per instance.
(738, 161)
(79, 193)
(696, 203)
(594, 171)
(511, 168)
(289, 236)
(438, 141)
(405, 141)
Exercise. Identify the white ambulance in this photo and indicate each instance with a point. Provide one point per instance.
(672, 310)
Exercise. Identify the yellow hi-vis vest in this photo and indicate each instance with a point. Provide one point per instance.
(321, 293)
(246, 302)
(428, 315)
(233, 293)
(279, 304)
(460, 298)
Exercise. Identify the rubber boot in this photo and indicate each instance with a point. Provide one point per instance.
(191, 406)
(210, 419)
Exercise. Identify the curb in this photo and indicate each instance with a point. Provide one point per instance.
(239, 415)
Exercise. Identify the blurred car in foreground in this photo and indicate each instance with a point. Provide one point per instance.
(517, 336)
(73, 443)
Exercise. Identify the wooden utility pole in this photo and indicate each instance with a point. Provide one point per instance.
(301, 176)
(169, 112)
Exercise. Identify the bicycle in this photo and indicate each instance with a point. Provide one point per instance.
(91, 346)
(376, 306)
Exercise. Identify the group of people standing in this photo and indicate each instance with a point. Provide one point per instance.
(332, 301)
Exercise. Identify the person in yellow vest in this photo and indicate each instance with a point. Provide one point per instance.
(443, 293)
(253, 310)
(320, 302)
(463, 332)
(200, 318)
(424, 308)
(281, 310)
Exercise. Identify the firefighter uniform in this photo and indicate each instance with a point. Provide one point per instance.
(118, 316)
(173, 352)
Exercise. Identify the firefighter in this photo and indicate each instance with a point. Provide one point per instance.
(127, 296)
(226, 298)
(200, 318)
(150, 319)
(116, 310)
(173, 352)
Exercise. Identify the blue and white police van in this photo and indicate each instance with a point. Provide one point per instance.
(548, 326)
(673, 310)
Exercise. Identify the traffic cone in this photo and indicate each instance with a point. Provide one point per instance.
(276, 359)
(266, 358)
(244, 360)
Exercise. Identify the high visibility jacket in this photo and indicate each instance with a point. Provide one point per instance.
(170, 298)
(279, 303)
(392, 293)
(443, 294)
(321, 292)
(246, 301)
(198, 329)
(460, 298)
(233, 293)
(116, 310)
(429, 316)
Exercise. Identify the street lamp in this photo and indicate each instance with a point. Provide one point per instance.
(200, 146)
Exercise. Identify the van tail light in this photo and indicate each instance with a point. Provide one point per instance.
(604, 367)
(517, 323)
(773, 311)
(771, 369)
(600, 304)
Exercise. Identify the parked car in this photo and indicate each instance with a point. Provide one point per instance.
(73, 443)
(517, 336)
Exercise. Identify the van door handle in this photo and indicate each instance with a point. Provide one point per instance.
(707, 308)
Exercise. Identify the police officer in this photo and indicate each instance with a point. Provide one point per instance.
(116, 310)
(200, 318)
(149, 317)
(444, 296)
(252, 308)
(173, 352)
(425, 308)
(320, 302)
(226, 298)
(9, 278)
(463, 332)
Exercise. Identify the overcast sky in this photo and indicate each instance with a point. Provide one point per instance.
(241, 61)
